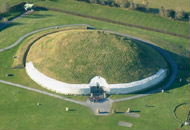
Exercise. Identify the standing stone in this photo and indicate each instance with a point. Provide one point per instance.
(97, 111)
(128, 110)
(66, 109)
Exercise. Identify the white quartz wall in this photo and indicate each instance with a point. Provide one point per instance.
(135, 86)
(79, 89)
(55, 85)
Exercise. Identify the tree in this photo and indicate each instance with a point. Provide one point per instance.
(123, 3)
(170, 13)
(110, 2)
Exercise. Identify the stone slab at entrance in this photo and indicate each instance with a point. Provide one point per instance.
(103, 107)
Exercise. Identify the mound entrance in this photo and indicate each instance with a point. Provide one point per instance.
(75, 56)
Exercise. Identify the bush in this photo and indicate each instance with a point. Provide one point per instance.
(123, 3)
(170, 13)
(167, 13)
(141, 7)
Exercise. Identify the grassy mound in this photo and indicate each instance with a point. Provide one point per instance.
(76, 56)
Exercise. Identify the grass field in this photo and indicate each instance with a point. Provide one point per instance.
(23, 112)
(176, 4)
(181, 112)
(129, 16)
(18, 112)
(75, 56)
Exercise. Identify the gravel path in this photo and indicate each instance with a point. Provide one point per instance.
(104, 106)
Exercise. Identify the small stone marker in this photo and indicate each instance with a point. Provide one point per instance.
(125, 124)
(186, 123)
(128, 110)
(113, 111)
(38, 104)
(14, 56)
(162, 90)
(97, 111)
(66, 109)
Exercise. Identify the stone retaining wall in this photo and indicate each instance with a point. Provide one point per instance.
(84, 89)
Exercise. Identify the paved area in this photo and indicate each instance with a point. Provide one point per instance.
(105, 106)
(101, 108)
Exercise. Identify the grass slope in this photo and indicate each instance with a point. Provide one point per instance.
(78, 55)
(20, 113)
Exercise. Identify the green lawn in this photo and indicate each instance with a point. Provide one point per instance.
(18, 112)
(128, 16)
(182, 112)
(160, 110)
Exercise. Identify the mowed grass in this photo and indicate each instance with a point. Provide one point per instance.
(123, 15)
(19, 112)
(182, 112)
(78, 55)
(22, 115)
(158, 109)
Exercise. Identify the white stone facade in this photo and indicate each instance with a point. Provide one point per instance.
(84, 89)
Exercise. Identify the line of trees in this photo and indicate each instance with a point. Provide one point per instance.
(179, 14)
(144, 7)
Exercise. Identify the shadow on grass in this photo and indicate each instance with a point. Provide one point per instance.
(72, 109)
(131, 111)
(4, 26)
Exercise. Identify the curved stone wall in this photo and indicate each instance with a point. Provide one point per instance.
(138, 85)
(80, 89)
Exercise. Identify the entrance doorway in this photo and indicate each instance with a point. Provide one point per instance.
(97, 93)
